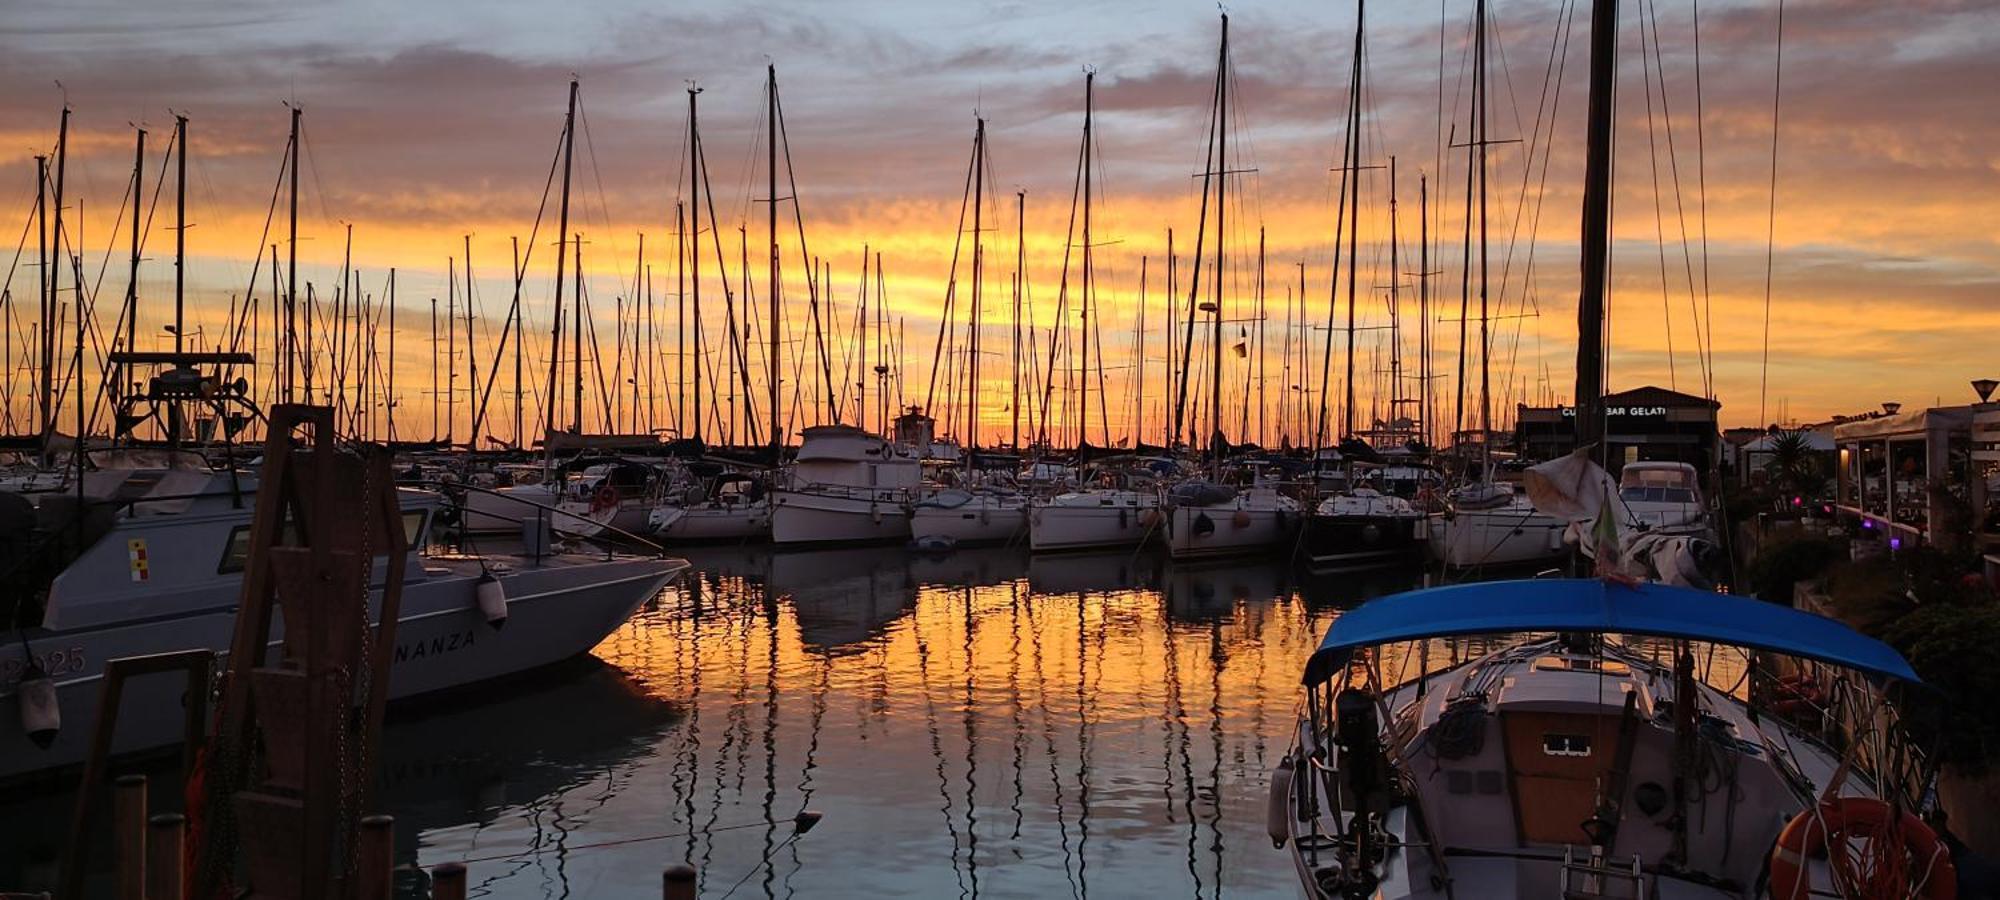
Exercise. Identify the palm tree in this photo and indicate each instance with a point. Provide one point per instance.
(1794, 466)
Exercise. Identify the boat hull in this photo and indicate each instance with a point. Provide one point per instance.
(1335, 543)
(1507, 536)
(1228, 529)
(1115, 523)
(807, 518)
(442, 642)
(698, 524)
(979, 521)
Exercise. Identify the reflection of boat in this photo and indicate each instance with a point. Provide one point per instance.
(163, 572)
(1090, 573)
(843, 596)
(1578, 766)
(445, 765)
(1208, 591)
(969, 567)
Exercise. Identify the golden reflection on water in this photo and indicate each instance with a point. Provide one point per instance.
(975, 724)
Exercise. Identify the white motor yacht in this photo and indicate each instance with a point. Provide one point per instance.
(845, 486)
(160, 568)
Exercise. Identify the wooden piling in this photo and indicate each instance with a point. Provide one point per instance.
(448, 882)
(677, 883)
(128, 826)
(164, 834)
(378, 858)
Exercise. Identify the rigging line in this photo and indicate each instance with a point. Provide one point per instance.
(1703, 352)
(1659, 217)
(1701, 179)
(950, 291)
(257, 267)
(1771, 217)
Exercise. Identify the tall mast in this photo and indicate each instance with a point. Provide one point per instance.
(132, 275)
(772, 286)
(1138, 425)
(1395, 309)
(1084, 321)
(1424, 309)
(57, 262)
(680, 317)
(451, 349)
(694, 247)
(435, 433)
(1221, 206)
(576, 338)
(1596, 225)
(471, 357)
(1353, 209)
(1485, 342)
(180, 233)
(978, 245)
(1020, 274)
(43, 273)
(291, 352)
(520, 337)
(392, 355)
(562, 259)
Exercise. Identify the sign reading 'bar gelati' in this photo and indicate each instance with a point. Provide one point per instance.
(1637, 412)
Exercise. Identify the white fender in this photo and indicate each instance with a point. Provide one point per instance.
(1277, 812)
(492, 600)
(41, 713)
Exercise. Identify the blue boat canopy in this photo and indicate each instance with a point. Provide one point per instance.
(1602, 607)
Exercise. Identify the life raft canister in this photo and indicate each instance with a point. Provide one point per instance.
(1834, 828)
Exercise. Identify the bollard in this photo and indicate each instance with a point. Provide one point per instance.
(163, 856)
(677, 883)
(128, 826)
(377, 857)
(448, 882)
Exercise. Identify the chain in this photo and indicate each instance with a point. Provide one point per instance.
(361, 677)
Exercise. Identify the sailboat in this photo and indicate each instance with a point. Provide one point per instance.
(1216, 517)
(1485, 522)
(1579, 749)
(978, 507)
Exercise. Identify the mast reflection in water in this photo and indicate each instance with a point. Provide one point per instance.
(972, 724)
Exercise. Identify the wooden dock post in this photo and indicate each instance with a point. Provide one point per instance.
(164, 833)
(128, 825)
(677, 883)
(448, 882)
(374, 869)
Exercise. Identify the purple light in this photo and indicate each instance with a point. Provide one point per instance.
(1895, 543)
(1868, 523)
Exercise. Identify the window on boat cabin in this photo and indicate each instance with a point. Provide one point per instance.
(1566, 744)
(237, 548)
(1657, 495)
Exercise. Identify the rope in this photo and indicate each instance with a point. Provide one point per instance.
(1771, 218)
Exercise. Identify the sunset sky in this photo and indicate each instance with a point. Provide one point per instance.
(428, 122)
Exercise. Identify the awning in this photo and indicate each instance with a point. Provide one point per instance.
(1909, 425)
(1601, 607)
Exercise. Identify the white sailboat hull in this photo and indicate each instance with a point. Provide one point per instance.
(1117, 520)
(736, 522)
(1509, 535)
(983, 520)
(1231, 528)
(853, 516)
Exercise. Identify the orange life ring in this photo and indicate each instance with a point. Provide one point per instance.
(605, 498)
(1842, 822)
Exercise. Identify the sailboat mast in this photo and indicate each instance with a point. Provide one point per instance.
(451, 349)
(291, 353)
(1395, 310)
(1020, 277)
(694, 247)
(1221, 206)
(1354, 210)
(978, 247)
(132, 274)
(772, 286)
(471, 357)
(1084, 321)
(1424, 309)
(562, 260)
(1596, 225)
(1485, 342)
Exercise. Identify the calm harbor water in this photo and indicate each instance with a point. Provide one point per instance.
(978, 724)
(981, 723)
